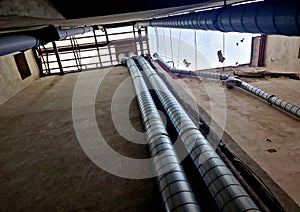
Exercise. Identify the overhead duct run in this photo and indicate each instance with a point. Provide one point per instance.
(231, 81)
(64, 33)
(23, 41)
(268, 17)
(175, 190)
(15, 43)
(226, 190)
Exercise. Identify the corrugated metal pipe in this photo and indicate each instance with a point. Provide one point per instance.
(10, 43)
(268, 17)
(270, 98)
(226, 190)
(176, 192)
(172, 69)
(231, 81)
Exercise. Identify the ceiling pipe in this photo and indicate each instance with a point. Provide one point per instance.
(262, 195)
(64, 33)
(173, 70)
(175, 190)
(16, 43)
(268, 17)
(226, 190)
(19, 42)
(231, 81)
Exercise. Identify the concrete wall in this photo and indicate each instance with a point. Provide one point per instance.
(255, 51)
(10, 79)
(281, 53)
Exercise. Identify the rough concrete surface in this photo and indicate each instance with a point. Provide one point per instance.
(29, 8)
(44, 168)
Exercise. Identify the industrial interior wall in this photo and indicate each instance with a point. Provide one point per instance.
(282, 53)
(255, 51)
(11, 81)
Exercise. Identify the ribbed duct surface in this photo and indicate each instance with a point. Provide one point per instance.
(232, 81)
(269, 17)
(222, 184)
(176, 192)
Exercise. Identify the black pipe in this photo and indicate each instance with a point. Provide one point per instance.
(97, 47)
(61, 70)
(15, 43)
(268, 17)
(10, 43)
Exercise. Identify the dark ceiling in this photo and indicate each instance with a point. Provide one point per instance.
(90, 8)
(20, 15)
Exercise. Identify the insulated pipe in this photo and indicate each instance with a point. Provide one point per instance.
(15, 43)
(176, 192)
(232, 81)
(268, 17)
(226, 190)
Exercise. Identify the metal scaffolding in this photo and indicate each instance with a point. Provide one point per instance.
(94, 49)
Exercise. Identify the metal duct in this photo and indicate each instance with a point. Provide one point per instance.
(268, 17)
(15, 43)
(232, 81)
(176, 192)
(21, 42)
(204, 74)
(222, 184)
(272, 99)
(64, 33)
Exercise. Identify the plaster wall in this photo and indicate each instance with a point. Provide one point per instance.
(10, 79)
(282, 53)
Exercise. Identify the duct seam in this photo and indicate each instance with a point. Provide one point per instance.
(206, 157)
(176, 194)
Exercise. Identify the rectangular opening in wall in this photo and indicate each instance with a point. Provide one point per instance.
(22, 65)
(299, 52)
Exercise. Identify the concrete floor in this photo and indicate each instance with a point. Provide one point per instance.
(44, 168)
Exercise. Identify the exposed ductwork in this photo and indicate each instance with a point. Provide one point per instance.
(32, 39)
(176, 192)
(268, 17)
(15, 43)
(64, 33)
(231, 81)
(226, 190)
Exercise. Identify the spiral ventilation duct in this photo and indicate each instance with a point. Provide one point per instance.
(272, 99)
(268, 17)
(176, 192)
(226, 190)
(232, 81)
